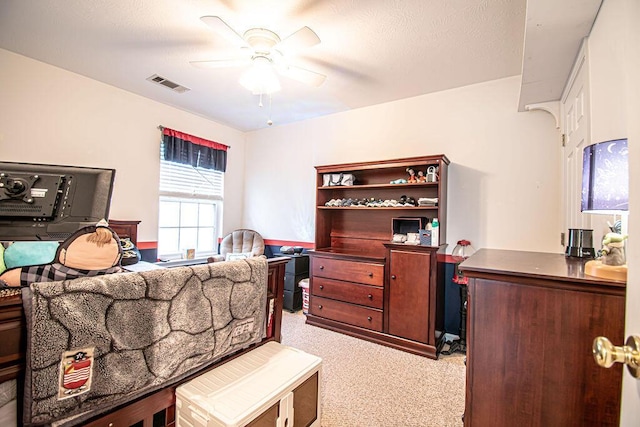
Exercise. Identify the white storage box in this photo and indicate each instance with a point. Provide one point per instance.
(271, 385)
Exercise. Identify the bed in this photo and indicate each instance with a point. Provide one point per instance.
(154, 402)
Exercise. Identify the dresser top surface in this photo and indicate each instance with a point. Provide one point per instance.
(538, 265)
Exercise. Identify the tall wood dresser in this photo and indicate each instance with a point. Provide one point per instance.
(531, 323)
(361, 283)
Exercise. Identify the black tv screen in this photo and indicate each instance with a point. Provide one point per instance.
(49, 202)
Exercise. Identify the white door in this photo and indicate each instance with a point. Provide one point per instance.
(575, 113)
(630, 415)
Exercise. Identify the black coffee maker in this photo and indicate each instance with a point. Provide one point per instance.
(580, 243)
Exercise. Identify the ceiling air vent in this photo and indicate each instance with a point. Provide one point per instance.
(167, 83)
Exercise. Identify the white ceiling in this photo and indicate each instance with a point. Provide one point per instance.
(372, 51)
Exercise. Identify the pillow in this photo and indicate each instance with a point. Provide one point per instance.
(90, 248)
(21, 254)
(90, 251)
(232, 256)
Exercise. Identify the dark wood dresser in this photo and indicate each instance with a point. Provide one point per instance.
(12, 337)
(531, 323)
(125, 229)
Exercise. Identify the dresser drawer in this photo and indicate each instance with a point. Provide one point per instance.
(352, 271)
(357, 315)
(345, 291)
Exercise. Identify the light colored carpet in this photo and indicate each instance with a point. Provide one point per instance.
(369, 385)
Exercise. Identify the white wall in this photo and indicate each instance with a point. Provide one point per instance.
(607, 83)
(615, 99)
(49, 115)
(504, 181)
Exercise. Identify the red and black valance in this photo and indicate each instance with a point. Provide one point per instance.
(191, 150)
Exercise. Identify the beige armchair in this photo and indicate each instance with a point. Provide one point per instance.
(241, 241)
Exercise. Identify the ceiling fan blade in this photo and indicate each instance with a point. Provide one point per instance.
(303, 38)
(221, 63)
(303, 75)
(223, 29)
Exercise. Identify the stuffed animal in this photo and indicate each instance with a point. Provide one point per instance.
(90, 251)
(412, 175)
(613, 249)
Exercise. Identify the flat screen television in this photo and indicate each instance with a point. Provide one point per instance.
(48, 202)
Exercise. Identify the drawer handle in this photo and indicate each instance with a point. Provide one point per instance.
(322, 267)
(393, 276)
(320, 306)
(369, 318)
(321, 287)
(370, 274)
(370, 296)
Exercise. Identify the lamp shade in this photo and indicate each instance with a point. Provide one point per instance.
(605, 177)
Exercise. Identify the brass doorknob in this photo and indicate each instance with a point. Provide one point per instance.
(606, 354)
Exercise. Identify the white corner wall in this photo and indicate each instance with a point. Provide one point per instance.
(49, 115)
(504, 181)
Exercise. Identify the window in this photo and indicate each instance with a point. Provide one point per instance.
(189, 210)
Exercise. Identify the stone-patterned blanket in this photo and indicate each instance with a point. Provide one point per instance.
(95, 343)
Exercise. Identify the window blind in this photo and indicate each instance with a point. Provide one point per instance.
(187, 181)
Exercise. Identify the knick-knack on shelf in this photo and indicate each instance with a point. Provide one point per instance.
(412, 176)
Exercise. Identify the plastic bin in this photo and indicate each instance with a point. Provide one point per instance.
(304, 285)
(271, 381)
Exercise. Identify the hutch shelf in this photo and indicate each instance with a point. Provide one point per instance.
(361, 283)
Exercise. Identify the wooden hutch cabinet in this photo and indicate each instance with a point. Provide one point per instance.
(361, 283)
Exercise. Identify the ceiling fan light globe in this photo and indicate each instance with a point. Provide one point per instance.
(260, 78)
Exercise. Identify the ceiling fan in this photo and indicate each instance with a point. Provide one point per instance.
(265, 51)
